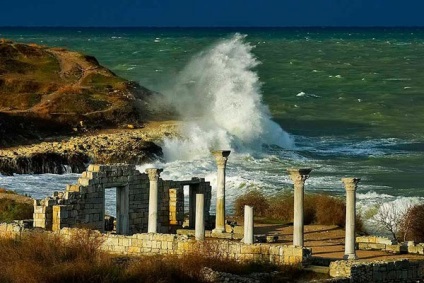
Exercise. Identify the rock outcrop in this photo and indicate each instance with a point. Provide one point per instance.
(74, 154)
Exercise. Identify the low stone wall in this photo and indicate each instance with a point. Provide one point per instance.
(385, 244)
(378, 271)
(162, 244)
(155, 244)
(377, 243)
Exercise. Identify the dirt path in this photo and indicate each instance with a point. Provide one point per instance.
(326, 242)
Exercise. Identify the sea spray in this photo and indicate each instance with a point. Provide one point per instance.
(219, 93)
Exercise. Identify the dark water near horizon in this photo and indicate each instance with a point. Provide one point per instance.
(351, 98)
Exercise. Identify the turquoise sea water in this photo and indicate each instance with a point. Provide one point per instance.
(352, 100)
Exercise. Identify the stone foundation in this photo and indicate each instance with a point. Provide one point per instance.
(378, 271)
(387, 245)
(172, 244)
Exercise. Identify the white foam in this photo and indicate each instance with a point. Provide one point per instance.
(220, 94)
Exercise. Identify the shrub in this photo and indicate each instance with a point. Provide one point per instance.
(329, 210)
(253, 198)
(41, 257)
(44, 257)
(281, 207)
(4, 191)
(413, 224)
(318, 208)
(12, 210)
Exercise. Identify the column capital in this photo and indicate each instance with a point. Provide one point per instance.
(299, 174)
(153, 173)
(221, 157)
(351, 183)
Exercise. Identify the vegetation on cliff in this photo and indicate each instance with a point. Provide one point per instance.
(45, 91)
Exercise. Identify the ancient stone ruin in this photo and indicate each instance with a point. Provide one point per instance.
(150, 215)
(144, 201)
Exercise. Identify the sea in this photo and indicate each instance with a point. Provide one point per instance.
(346, 102)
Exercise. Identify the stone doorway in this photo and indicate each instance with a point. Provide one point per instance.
(121, 208)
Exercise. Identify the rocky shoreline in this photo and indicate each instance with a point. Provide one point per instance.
(133, 146)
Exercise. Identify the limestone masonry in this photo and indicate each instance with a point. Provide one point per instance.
(83, 204)
(150, 215)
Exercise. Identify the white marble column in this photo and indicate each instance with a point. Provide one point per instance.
(221, 157)
(153, 174)
(200, 217)
(350, 186)
(248, 224)
(298, 177)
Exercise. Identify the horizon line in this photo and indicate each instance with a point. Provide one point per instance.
(216, 27)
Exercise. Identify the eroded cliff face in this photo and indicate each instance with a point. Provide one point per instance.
(49, 91)
(74, 154)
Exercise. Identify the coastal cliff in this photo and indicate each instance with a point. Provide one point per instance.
(48, 91)
(61, 110)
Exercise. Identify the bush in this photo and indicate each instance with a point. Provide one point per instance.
(12, 210)
(4, 191)
(329, 210)
(41, 257)
(318, 208)
(48, 258)
(281, 207)
(253, 198)
(413, 224)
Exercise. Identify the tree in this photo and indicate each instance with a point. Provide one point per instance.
(413, 224)
(391, 218)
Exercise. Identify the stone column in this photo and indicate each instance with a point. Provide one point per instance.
(299, 177)
(153, 174)
(193, 190)
(248, 224)
(350, 186)
(221, 157)
(200, 217)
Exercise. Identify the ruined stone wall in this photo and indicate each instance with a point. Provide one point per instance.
(388, 245)
(172, 244)
(83, 204)
(378, 271)
(11, 230)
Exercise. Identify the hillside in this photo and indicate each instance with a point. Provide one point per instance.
(52, 91)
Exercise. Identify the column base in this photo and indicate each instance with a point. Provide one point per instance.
(350, 256)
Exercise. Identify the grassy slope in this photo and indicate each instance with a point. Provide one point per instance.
(41, 85)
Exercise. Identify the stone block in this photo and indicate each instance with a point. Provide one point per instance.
(134, 250)
(83, 181)
(94, 168)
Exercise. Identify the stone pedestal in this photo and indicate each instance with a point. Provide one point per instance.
(221, 157)
(200, 217)
(153, 174)
(248, 224)
(298, 177)
(350, 186)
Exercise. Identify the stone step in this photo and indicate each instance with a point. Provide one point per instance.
(318, 269)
